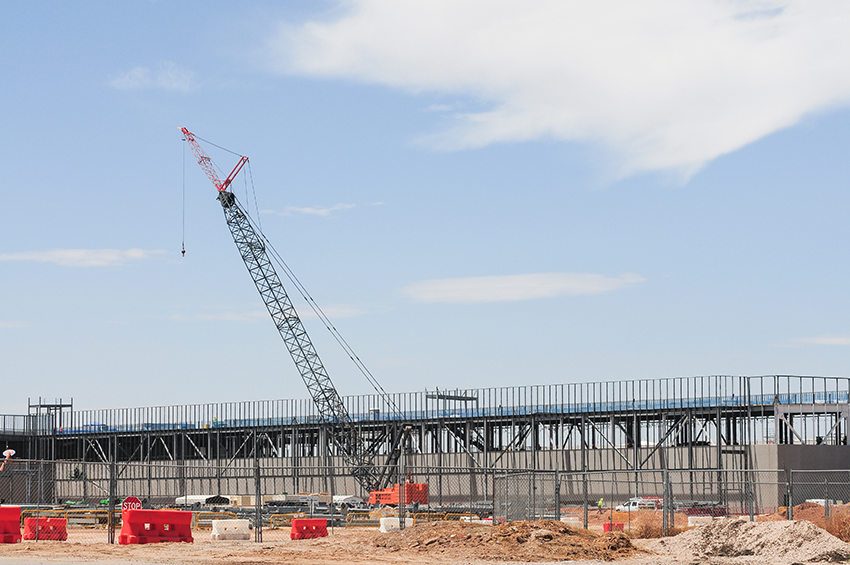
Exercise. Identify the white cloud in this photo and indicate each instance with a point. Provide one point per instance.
(83, 257)
(166, 76)
(818, 340)
(440, 108)
(310, 211)
(661, 84)
(8, 325)
(512, 288)
(251, 316)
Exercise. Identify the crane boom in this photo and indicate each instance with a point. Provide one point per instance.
(328, 402)
(206, 163)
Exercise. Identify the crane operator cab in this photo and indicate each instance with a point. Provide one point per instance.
(227, 198)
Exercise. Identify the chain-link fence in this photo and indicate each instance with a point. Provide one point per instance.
(525, 495)
(88, 495)
(815, 493)
(665, 499)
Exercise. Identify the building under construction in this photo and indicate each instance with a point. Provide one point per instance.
(712, 422)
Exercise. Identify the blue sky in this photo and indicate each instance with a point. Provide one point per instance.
(478, 193)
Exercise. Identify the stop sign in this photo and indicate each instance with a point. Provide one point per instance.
(131, 503)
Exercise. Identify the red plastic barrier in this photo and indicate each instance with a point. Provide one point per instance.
(155, 526)
(612, 527)
(46, 528)
(10, 524)
(308, 528)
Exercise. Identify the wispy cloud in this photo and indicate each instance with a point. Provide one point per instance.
(441, 108)
(311, 211)
(660, 85)
(8, 325)
(83, 257)
(512, 288)
(817, 340)
(250, 316)
(165, 76)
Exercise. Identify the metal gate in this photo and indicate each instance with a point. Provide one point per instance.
(525, 495)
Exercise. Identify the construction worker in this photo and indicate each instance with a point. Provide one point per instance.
(600, 505)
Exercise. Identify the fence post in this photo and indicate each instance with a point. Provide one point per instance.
(258, 498)
(790, 493)
(402, 496)
(532, 496)
(332, 475)
(666, 505)
(751, 495)
(113, 488)
(584, 494)
(557, 495)
(826, 497)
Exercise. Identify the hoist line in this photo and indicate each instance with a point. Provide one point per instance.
(303, 291)
(183, 242)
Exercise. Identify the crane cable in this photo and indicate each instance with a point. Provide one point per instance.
(277, 258)
(183, 243)
(346, 347)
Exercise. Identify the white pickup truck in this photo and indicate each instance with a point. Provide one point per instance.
(639, 503)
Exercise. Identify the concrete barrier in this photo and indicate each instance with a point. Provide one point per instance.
(390, 524)
(230, 530)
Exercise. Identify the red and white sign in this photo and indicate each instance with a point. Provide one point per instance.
(131, 503)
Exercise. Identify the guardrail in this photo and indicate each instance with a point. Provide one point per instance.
(204, 520)
(277, 521)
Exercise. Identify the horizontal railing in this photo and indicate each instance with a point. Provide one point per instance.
(23, 425)
(680, 393)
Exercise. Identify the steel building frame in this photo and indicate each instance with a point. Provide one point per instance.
(675, 423)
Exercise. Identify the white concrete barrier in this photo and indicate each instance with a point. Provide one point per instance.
(390, 524)
(697, 520)
(230, 530)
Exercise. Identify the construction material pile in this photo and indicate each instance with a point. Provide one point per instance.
(515, 541)
(775, 541)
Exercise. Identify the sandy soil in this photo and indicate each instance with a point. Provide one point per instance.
(723, 542)
(437, 542)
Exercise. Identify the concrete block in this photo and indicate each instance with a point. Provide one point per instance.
(230, 530)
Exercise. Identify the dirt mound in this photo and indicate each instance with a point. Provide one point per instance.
(777, 541)
(837, 522)
(515, 541)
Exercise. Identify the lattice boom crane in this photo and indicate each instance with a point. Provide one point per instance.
(325, 396)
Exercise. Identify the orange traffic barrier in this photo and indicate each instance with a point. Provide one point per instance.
(155, 526)
(308, 528)
(39, 528)
(10, 524)
(612, 527)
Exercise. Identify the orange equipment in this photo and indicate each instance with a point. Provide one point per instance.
(413, 492)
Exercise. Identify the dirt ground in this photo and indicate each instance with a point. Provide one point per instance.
(435, 542)
(728, 541)
(596, 519)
